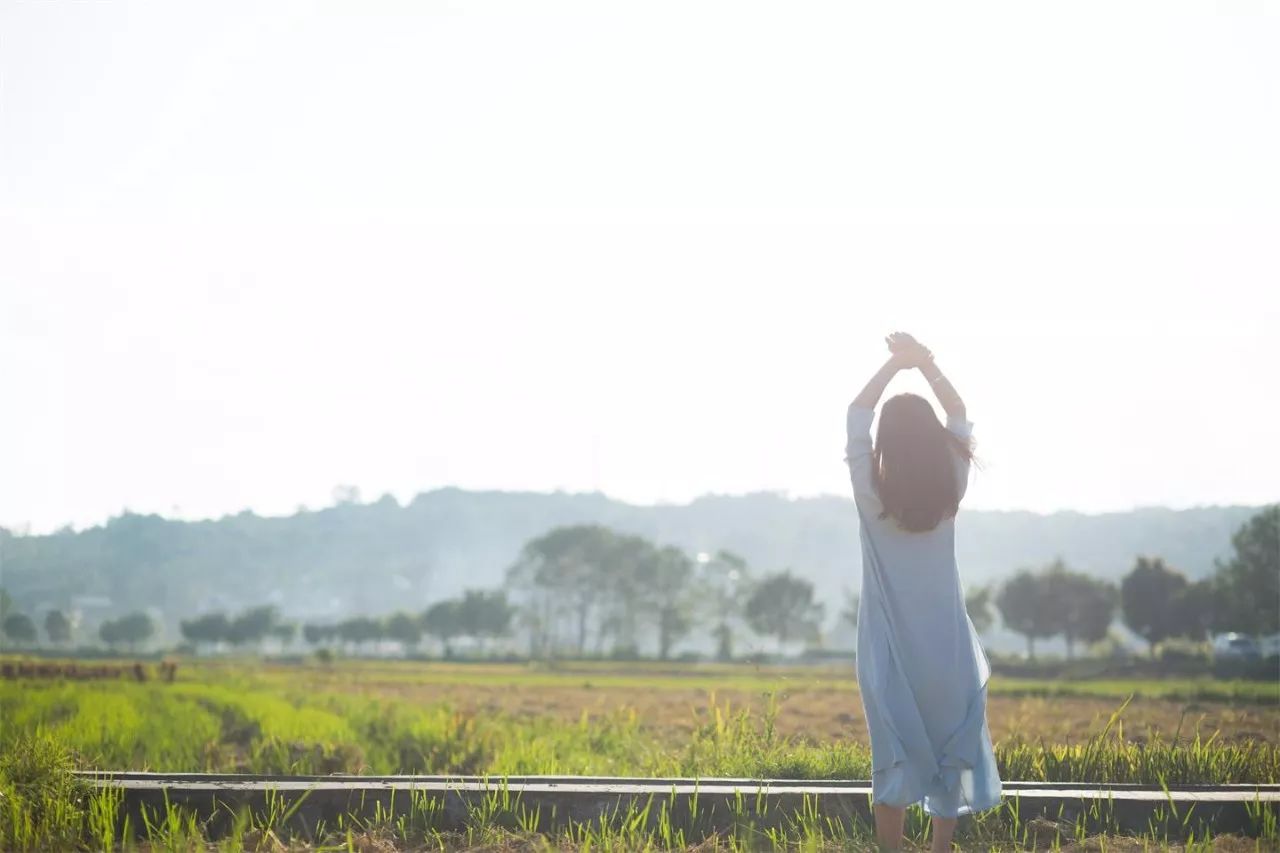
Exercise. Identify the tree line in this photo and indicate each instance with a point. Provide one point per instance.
(129, 630)
(569, 592)
(589, 590)
(440, 536)
(482, 615)
(1155, 601)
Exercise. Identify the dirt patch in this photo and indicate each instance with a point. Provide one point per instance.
(829, 714)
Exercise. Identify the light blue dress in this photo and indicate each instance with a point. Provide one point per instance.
(922, 672)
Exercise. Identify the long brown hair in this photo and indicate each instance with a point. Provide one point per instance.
(914, 464)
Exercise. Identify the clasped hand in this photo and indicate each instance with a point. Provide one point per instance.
(906, 352)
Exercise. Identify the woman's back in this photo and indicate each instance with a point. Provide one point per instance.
(922, 672)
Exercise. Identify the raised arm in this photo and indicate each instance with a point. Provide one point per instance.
(858, 445)
(870, 395)
(918, 355)
(944, 390)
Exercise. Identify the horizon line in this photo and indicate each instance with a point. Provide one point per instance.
(17, 531)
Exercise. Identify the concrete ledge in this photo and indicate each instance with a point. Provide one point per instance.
(698, 806)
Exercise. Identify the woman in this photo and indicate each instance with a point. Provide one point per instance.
(922, 672)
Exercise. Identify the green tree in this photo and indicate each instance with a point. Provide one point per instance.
(1026, 608)
(782, 606)
(535, 603)
(253, 625)
(1148, 598)
(725, 581)
(667, 592)
(564, 573)
(285, 632)
(443, 620)
(210, 629)
(6, 604)
(1196, 607)
(1248, 585)
(1085, 605)
(495, 616)
(628, 598)
(319, 634)
(131, 630)
(484, 614)
(977, 602)
(136, 628)
(19, 628)
(404, 628)
(57, 627)
(109, 633)
(360, 631)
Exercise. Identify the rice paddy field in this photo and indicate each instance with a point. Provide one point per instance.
(366, 717)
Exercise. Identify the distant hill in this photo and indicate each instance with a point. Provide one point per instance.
(377, 557)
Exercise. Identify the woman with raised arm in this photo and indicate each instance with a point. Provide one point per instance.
(922, 672)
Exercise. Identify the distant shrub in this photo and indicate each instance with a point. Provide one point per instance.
(1181, 650)
(1112, 647)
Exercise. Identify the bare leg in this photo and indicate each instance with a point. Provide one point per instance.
(943, 829)
(889, 821)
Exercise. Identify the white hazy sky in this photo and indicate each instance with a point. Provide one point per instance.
(252, 251)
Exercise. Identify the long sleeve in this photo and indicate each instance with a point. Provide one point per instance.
(858, 455)
(961, 428)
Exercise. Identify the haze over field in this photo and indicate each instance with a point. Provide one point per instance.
(372, 558)
(250, 252)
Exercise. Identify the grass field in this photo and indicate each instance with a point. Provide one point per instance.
(632, 719)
